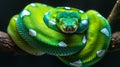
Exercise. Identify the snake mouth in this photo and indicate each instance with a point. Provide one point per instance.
(69, 30)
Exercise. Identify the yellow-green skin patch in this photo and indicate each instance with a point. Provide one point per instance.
(18, 40)
(79, 39)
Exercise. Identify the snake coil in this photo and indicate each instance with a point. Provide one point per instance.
(77, 38)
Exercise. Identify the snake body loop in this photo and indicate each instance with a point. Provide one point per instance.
(77, 38)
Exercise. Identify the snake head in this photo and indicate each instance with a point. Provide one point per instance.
(67, 22)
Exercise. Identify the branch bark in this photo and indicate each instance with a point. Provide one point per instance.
(114, 17)
(8, 46)
(115, 13)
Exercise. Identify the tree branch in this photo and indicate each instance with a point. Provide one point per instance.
(115, 42)
(114, 17)
(8, 46)
(115, 13)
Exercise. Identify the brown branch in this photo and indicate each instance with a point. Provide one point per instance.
(8, 46)
(115, 42)
(114, 17)
(115, 13)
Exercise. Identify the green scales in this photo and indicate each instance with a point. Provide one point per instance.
(77, 38)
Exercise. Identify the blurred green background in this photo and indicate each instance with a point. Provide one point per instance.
(8, 8)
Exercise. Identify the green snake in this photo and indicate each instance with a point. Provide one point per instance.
(77, 38)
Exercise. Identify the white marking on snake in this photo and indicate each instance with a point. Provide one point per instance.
(84, 40)
(81, 11)
(99, 15)
(62, 44)
(52, 22)
(32, 4)
(25, 13)
(100, 53)
(84, 22)
(77, 63)
(32, 32)
(46, 13)
(105, 31)
(68, 8)
(15, 19)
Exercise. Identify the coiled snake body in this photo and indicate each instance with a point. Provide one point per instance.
(77, 38)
